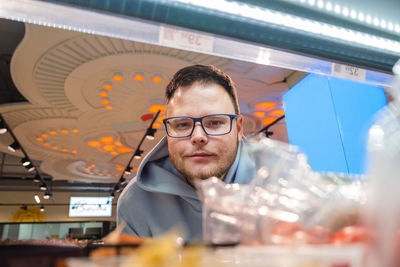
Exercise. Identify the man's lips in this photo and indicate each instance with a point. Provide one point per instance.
(200, 155)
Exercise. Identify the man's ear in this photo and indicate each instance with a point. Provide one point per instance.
(239, 122)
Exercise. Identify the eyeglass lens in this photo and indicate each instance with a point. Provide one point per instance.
(218, 124)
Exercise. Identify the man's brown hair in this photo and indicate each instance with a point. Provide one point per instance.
(202, 74)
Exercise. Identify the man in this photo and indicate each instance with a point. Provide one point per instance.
(204, 139)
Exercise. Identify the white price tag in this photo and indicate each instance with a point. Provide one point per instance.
(348, 72)
(186, 39)
(263, 56)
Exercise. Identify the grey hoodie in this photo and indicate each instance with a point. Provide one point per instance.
(161, 198)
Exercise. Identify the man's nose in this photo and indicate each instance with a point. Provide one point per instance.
(198, 135)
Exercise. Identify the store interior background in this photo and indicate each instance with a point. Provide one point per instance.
(56, 97)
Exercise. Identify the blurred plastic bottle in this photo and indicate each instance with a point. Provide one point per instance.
(383, 213)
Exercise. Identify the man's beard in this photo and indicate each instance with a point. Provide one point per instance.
(218, 171)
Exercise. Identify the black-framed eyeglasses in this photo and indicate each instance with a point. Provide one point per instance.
(213, 124)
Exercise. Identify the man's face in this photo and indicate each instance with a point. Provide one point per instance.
(201, 156)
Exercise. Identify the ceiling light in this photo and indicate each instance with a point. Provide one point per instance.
(30, 167)
(128, 170)
(3, 128)
(107, 86)
(109, 107)
(138, 154)
(14, 146)
(150, 133)
(45, 135)
(43, 187)
(117, 77)
(277, 112)
(47, 195)
(37, 199)
(138, 77)
(109, 147)
(107, 139)
(124, 149)
(36, 179)
(53, 132)
(103, 93)
(39, 139)
(25, 161)
(268, 120)
(265, 105)
(75, 130)
(156, 108)
(157, 79)
(64, 131)
(94, 143)
(42, 208)
(105, 101)
(147, 116)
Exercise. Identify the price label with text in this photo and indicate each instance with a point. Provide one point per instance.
(348, 72)
(185, 39)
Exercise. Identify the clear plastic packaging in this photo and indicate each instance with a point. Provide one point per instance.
(286, 202)
(383, 213)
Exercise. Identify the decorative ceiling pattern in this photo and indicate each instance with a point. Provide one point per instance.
(92, 97)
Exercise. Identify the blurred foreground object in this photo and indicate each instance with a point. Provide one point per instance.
(384, 198)
(285, 204)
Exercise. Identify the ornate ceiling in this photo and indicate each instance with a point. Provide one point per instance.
(91, 99)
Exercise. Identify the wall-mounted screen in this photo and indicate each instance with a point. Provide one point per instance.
(90, 207)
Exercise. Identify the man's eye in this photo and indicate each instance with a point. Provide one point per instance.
(214, 123)
(181, 124)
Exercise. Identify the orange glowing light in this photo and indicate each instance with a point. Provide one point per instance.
(45, 135)
(73, 152)
(94, 143)
(120, 168)
(109, 147)
(147, 116)
(107, 139)
(160, 119)
(265, 105)
(64, 131)
(155, 108)
(268, 120)
(64, 150)
(46, 144)
(277, 112)
(53, 132)
(39, 139)
(114, 153)
(100, 149)
(259, 114)
(105, 101)
(116, 174)
(108, 174)
(54, 147)
(103, 94)
(107, 86)
(109, 107)
(124, 149)
(117, 78)
(138, 77)
(75, 130)
(117, 143)
(136, 169)
(157, 79)
(156, 125)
